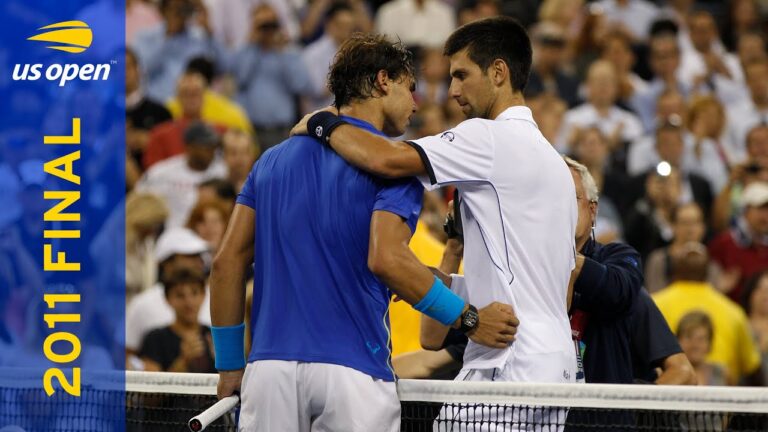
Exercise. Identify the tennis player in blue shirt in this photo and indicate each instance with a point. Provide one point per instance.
(326, 240)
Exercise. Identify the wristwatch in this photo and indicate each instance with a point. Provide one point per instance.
(469, 320)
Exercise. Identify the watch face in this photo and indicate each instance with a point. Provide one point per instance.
(470, 319)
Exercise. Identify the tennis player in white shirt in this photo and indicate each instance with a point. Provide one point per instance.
(518, 204)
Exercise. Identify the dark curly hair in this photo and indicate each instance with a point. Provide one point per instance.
(353, 73)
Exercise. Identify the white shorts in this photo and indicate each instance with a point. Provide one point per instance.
(551, 367)
(289, 396)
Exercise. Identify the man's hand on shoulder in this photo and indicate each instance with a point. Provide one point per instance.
(301, 126)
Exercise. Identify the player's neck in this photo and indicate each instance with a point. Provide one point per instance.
(367, 111)
(505, 101)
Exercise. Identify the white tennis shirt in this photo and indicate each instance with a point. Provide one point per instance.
(518, 209)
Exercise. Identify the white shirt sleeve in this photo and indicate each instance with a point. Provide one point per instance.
(459, 286)
(462, 154)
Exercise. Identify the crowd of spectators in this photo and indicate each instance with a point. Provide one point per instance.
(665, 102)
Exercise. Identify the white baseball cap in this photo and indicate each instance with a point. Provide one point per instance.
(179, 241)
(755, 195)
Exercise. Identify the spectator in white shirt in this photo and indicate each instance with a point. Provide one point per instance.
(177, 248)
(176, 179)
(707, 122)
(708, 61)
(164, 50)
(423, 23)
(672, 147)
(231, 20)
(743, 117)
(619, 125)
(317, 56)
(664, 59)
(642, 155)
(617, 49)
(633, 17)
(693, 154)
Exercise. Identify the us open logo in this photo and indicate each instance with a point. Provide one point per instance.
(73, 37)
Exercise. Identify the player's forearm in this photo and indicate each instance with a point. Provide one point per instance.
(375, 154)
(422, 364)
(402, 272)
(228, 291)
(452, 255)
(432, 334)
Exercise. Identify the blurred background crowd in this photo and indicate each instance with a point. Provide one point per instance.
(665, 102)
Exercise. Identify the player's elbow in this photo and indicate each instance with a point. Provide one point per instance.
(220, 262)
(382, 264)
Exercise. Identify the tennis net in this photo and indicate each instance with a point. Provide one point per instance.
(155, 402)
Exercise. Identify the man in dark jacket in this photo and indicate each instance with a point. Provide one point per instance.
(620, 333)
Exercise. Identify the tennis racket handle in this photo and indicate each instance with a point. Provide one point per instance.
(200, 422)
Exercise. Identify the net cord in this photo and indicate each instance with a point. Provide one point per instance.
(647, 397)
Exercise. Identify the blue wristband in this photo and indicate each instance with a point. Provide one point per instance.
(229, 347)
(441, 304)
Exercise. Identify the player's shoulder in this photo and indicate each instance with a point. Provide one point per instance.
(474, 123)
(303, 144)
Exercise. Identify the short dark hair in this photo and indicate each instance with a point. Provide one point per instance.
(495, 38)
(353, 73)
(224, 189)
(663, 26)
(182, 276)
(204, 66)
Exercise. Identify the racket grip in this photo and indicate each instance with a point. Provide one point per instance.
(201, 421)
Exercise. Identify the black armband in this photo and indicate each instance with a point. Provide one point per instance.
(452, 225)
(451, 229)
(322, 124)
